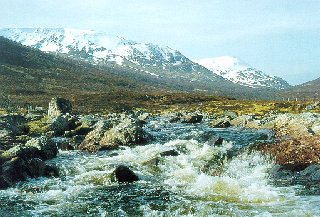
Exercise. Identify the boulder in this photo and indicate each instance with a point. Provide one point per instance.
(192, 118)
(13, 171)
(45, 148)
(221, 123)
(58, 124)
(125, 174)
(129, 131)
(59, 106)
(13, 125)
(91, 142)
(36, 167)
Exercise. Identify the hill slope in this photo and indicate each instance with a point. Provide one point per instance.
(308, 90)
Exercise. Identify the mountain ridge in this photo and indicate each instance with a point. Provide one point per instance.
(238, 71)
(148, 58)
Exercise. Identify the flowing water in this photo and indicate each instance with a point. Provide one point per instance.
(203, 180)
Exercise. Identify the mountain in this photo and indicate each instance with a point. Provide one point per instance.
(155, 66)
(309, 90)
(101, 48)
(239, 72)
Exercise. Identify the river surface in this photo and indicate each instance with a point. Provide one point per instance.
(203, 180)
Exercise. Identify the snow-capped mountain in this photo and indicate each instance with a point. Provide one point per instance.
(102, 48)
(239, 72)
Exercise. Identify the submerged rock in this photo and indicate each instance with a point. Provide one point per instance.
(216, 140)
(125, 174)
(169, 153)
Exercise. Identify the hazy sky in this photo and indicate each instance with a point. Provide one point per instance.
(280, 37)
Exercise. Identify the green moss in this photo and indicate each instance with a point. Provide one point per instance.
(39, 126)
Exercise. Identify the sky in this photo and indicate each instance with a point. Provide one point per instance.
(279, 37)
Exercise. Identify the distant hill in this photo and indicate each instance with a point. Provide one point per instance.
(308, 90)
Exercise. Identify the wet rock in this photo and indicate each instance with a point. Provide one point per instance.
(36, 167)
(58, 125)
(51, 171)
(125, 174)
(45, 148)
(91, 142)
(221, 123)
(192, 118)
(281, 173)
(173, 117)
(142, 116)
(13, 171)
(311, 173)
(13, 125)
(215, 140)
(129, 131)
(169, 153)
(59, 106)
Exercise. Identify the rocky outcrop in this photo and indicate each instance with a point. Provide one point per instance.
(91, 142)
(23, 161)
(13, 125)
(123, 130)
(59, 106)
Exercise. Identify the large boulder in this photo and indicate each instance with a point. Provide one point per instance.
(13, 125)
(23, 161)
(129, 131)
(41, 147)
(58, 124)
(59, 106)
(91, 142)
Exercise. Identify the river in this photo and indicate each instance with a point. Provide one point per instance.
(202, 180)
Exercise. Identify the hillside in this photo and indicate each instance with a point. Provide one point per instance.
(160, 66)
(29, 76)
(308, 90)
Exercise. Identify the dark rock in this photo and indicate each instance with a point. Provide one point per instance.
(36, 167)
(51, 171)
(125, 174)
(216, 140)
(311, 173)
(222, 123)
(58, 125)
(13, 125)
(45, 148)
(281, 173)
(169, 153)
(13, 171)
(59, 106)
(192, 119)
